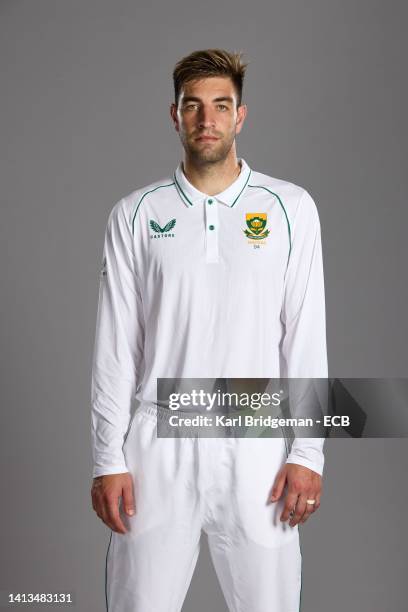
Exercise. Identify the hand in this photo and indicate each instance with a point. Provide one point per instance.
(106, 491)
(302, 484)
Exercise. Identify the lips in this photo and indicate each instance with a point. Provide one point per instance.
(207, 138)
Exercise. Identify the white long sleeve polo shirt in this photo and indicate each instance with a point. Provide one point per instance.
(196, 286)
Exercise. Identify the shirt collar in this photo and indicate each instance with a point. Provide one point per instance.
(230, 196)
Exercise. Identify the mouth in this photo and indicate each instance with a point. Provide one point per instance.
(207, 139)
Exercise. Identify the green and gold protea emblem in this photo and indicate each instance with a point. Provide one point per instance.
(162, 232)
(256, 223)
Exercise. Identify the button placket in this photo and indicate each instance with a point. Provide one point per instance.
(211, 229)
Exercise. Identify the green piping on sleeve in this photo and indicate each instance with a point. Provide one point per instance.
(284, 210)
(141, 200)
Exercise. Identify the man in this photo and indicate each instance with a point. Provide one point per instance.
(213, 272)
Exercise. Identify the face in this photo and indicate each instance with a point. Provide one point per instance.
(207, 118)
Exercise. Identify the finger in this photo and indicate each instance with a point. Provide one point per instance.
(101, 512)
(104, 516)
(299, 510)
(278, 487)
(95, 494)
(114, 518)
(94, 502)
(290, 503)
(101, 504)
(128, 498)
(308, 512)
(310, 508)
(98, 506)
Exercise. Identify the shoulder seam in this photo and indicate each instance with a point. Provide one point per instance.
(142, 198)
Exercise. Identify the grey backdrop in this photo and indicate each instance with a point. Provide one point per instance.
(86, 87)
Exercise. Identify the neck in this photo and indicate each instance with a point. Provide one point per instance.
(212, 177)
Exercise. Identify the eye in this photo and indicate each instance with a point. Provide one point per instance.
(191, 106)
(222, 107)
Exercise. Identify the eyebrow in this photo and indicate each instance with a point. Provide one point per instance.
(219, 99)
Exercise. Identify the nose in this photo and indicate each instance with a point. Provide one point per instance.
(206, 118)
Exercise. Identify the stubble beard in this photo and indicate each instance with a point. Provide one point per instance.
(208, 155)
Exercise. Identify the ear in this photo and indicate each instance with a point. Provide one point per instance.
(173, 114)
(242, 112)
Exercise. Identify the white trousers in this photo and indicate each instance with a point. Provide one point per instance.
(219, 485)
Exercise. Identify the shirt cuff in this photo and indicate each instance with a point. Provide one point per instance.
(314, 463)
(111, 469)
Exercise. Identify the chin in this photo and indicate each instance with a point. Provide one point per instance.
(208, 155)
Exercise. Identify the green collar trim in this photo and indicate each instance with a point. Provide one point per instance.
(238, 196)
(181, 191)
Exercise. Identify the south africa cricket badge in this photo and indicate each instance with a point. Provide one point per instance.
(257, 231)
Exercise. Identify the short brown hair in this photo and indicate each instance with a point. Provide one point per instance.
(209, 63)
